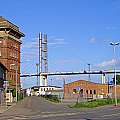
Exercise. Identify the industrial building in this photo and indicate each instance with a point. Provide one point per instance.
(42, 90)
(58, 92)
(9, 53)
(89, 90)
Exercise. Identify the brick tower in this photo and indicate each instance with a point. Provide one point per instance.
(10, 51)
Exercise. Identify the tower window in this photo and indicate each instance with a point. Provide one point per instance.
(0, 53)
(94, 91)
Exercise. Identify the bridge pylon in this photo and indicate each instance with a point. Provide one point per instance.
(43, 59)
(43, 80)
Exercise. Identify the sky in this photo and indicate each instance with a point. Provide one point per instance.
(79, 33)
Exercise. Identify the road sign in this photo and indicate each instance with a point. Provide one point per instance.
(78, 88)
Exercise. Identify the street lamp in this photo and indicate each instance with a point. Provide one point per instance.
(16, 77)
(89, 70)
(114, 45)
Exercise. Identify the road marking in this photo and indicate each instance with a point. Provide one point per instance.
(19, 118)
(15, 117)
(54, 112)
(106, 116)
(53, 115)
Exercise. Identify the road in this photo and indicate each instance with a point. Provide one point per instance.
(36, 108)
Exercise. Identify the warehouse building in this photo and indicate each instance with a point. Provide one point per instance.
(89, 90)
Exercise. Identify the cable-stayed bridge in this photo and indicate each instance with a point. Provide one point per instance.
(72, 73)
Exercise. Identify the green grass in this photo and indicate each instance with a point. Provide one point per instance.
(95, 103)
(52, 98)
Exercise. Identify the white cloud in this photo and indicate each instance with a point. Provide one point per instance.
(29, 45)
(110, 28)
(56, 41)
(65, 61)
(108, 63)
(51, 42)
(92, 40)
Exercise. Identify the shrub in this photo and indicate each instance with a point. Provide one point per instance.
(95, 103)
(52, 98)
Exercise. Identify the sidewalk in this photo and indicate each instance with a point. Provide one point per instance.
(5, 107)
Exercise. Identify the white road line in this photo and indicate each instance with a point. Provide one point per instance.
(106, 116)
(53, 115)
(19, 118)
(15, 117)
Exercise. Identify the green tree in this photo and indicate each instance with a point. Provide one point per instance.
(117, 80)
(14, 92)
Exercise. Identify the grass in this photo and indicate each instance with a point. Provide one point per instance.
(95, 103)
(52, 98)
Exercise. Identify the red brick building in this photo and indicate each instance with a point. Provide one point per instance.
(87, 89)
(9, 52)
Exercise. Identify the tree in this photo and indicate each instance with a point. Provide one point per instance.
(117, 79)
(14, 92)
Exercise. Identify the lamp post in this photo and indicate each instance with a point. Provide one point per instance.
(114, 45)
(16, 77)
(89, 70)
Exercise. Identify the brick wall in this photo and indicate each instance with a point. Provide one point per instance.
(10, 54)
(87, 89)
(10, 50)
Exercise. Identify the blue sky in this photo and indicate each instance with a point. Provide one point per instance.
(79, 32)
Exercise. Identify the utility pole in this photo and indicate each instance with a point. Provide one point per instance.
(16, 70)
(51, 82)
(37, 72)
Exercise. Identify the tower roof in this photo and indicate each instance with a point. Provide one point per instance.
(5, 24)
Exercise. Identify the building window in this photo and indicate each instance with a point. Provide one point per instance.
(90, 91)
(74, 91)
(87, 91)
(41, 89)
(44, 89)
(94, 91)
(47, 88)
(111, 88)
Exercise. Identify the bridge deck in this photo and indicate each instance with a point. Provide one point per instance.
(72, 73)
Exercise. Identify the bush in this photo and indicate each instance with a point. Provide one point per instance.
(95, 103)
(20, 96)
(52, 98)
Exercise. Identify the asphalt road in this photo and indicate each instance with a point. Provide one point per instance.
(36, 108)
